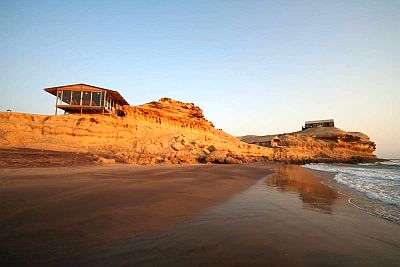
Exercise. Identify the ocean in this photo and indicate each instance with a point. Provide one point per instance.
(373, 187)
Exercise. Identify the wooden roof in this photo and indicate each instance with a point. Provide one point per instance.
(86, 87)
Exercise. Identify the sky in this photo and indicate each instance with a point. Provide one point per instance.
(254, 67)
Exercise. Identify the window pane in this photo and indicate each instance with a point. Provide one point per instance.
(86, 99)
(96, 98)
(76, 98)
(66, 98)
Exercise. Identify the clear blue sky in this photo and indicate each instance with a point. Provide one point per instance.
(254, 67)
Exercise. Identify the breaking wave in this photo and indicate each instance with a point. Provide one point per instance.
(379, 182)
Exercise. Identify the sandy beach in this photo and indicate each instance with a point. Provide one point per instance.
(51, 214)
(190, 215)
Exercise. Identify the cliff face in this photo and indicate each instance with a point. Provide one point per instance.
(324, 144)
(166, 131)
(171, 112)
(169, 131)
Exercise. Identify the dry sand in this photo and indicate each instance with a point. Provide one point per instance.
(13, 157)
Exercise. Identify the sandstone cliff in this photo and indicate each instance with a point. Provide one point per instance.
(324, 144)
(166, 131)
(169, 131)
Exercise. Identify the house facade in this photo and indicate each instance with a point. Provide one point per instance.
(87, 99)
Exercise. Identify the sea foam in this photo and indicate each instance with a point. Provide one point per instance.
(378, 181)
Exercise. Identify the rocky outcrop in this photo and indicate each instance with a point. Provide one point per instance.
(171, 132)
(166, 132)
(171, 112)
(324, 144)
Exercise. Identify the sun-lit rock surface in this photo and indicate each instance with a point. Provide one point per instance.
(170, 131)
(324, 144)
(166, 131)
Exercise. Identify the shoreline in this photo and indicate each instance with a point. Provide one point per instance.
(268, 213)
(359, 199)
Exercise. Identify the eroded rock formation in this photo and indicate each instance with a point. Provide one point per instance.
(324, 144)
(168, 131)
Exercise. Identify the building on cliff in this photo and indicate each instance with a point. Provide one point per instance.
(87, 99)
(266, 140)
(319, 123)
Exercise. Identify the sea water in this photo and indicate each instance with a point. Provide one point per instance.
(374, 187)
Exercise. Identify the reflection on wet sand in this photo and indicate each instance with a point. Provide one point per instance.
(310, 190)
(262, 226)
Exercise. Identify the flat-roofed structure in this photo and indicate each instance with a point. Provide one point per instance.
(318, 123)
(87, 99)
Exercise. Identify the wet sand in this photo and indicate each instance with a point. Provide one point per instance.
(288, 219)
(55, 215)
(198, 215)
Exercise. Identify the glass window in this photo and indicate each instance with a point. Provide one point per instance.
(76, 98)
(66, 96)
(96, 98)
(86, 98)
